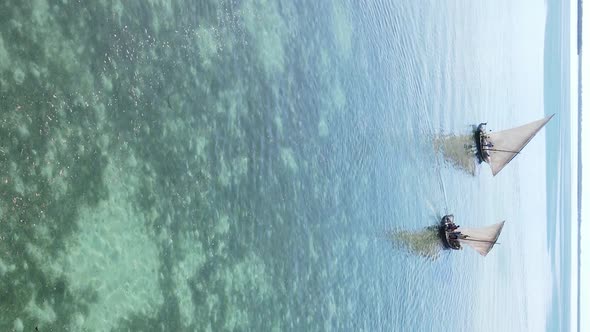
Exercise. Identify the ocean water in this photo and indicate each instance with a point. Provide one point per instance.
(561, 163)
(242, 165)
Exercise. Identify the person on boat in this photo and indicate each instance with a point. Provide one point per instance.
(454, 240)
(485, 146)
(454, 243)
(449, 227)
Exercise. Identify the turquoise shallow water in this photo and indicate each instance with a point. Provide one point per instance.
(240, 165)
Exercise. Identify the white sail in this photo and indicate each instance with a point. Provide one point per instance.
(508, 143)
(481, 239)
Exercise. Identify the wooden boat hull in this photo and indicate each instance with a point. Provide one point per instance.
(444, 233)
(479, 133)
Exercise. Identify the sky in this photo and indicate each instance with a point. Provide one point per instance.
(585, 227)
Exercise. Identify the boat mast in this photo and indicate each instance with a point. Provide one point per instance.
(475, 240)
(508, 151)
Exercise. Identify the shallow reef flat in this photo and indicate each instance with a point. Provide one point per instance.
(150, 163)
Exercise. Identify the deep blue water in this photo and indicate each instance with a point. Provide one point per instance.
(240, 165)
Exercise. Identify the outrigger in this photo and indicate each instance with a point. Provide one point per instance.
(481, 239)
(499, 148)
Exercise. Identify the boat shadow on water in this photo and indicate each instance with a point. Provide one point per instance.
(458, 151)
(425, 242)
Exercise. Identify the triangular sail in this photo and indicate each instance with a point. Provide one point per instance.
(481, 239)
(508, 143)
